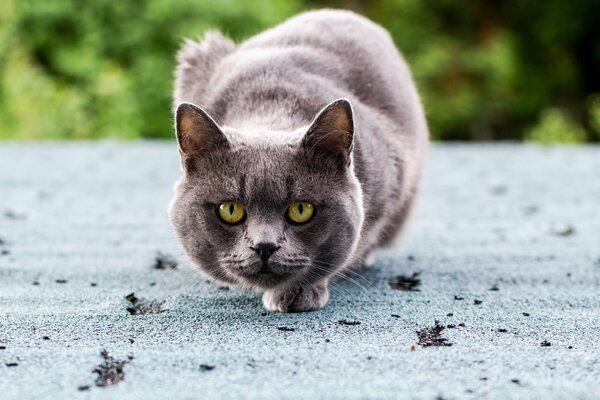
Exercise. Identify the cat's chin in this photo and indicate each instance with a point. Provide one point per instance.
(265, 280)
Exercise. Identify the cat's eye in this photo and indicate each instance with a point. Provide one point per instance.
(231, 212)
(300, 212)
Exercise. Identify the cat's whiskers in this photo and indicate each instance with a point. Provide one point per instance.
(337, 291)
(342, 274)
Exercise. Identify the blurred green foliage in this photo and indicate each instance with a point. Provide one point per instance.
(486, 70)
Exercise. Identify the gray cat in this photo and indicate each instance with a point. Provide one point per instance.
(283, 186)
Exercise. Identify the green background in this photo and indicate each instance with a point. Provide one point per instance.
(519, 70)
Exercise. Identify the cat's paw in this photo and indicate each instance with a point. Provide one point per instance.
(296, 299)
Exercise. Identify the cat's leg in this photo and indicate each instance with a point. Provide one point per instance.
(297, 298)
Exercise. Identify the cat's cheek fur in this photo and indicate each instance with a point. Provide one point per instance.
(201, 255)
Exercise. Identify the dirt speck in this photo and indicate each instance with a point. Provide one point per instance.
(406, 283)
(412, 346)
(286, 328)
(432, 337)
(131, 298)
(15, 216)
(477, 302)
(564, 231)
(456, 297)
(206, 367)
(164, 261)
(531, 210)
(141, 307)
(498, 190)
(110, 371)
(348, 322)
(545, 343)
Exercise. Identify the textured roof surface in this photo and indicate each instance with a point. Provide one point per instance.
(81, 224)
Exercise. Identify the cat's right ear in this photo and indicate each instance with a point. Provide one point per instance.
(197, 132)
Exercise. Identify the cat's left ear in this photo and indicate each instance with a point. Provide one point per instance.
(331, 133)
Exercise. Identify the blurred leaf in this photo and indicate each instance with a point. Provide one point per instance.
(555, 126)
(485, 70)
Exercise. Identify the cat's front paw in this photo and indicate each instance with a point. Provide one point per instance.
(296, 299)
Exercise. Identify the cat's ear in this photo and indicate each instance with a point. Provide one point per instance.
(331, 133)
(197, 132)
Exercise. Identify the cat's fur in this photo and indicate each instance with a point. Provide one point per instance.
(272, 142)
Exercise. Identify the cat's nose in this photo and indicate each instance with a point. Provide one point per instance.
(265, 249)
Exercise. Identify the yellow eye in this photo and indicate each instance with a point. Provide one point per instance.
(300, 212)
(232, 212)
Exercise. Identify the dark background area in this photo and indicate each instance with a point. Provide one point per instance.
(511, 70)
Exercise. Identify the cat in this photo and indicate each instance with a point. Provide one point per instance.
(304, 159)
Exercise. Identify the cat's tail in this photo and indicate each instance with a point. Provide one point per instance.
(196, 63)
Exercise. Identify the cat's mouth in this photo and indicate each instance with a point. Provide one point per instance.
(267, 276)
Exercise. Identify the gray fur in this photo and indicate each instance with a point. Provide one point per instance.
(273, 141)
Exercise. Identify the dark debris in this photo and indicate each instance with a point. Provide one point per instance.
(110, 371)
(164, 261)
(141, 307)
(348, 322)
(432, 337)
(286, 328)
(406, 283)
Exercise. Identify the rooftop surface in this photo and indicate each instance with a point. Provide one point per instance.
(505, 246)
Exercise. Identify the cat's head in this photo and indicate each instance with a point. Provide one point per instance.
(263, 209)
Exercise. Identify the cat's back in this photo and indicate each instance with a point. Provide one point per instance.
(350, 51)
(296, 68)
